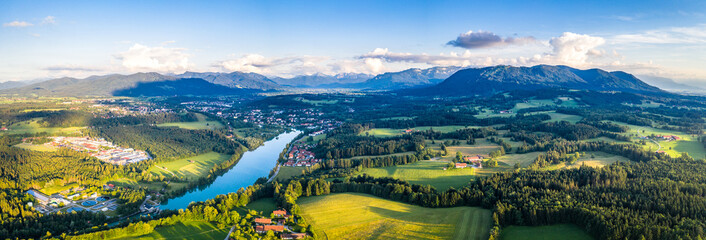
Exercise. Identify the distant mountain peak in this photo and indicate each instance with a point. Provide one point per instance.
(488, 80)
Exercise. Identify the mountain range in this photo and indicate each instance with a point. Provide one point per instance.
(431, 81)
(490, 80)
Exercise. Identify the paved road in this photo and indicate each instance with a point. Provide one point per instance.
(658, 146)
(274, 175)
(231, 231)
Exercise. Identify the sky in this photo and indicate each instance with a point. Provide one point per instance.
(50, 39)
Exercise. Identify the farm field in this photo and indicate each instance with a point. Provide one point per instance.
(552, 232)
(32, 127)
(426, 172)
(390, 132)
(288, 172)
(556, 117)
(360, 216)
(524, 159)
(687, 143)
(186, 230)
(482, 147)
(191, 167)
(600, 159)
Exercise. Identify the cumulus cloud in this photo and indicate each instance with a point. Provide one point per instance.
(485, 39)
(283, 66)
(568, 49)
(574, 49)
(49, 20)
(158, 59)
(17, 24)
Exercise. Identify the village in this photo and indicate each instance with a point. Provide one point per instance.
(101, 149)
(277, 224)
(298, 155)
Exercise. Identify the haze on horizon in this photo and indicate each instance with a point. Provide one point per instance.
(49, 39)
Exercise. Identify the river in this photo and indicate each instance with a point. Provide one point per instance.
(252, 165)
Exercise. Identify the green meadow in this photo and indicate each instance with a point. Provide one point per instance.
(202, 123)
(361, 216)
(191, 167)
(200, 230)
(426, 173)
(33, 126)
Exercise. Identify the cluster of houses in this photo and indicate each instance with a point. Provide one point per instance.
(101, 149)
(668, 137)
(276, 225)
(299, 156)
(471, 161)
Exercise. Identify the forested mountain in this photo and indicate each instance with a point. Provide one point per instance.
(92, 86)
(184, 86)
(488, 80)
(409, 78)
(235, 79)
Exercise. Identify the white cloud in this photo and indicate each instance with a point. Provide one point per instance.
(158, 59)
(574, 49)
(280, 66)
(568, 49)
(17, 24)
(49, 20)
(674, 35)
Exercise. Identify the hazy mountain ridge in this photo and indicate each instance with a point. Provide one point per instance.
(91, 86)
(410, 78)
(235, 79)
(319, 80)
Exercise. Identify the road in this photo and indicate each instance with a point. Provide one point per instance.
(274, 175)
(231, 231)
(658, 146)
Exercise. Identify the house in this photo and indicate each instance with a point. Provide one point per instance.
(265, 228)
(476, 158)
(461, 165)
(41, 197)
(263, 221)
(3, 129)
(293, 235)
(279, 213)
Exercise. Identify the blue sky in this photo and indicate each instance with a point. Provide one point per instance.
(45, 39)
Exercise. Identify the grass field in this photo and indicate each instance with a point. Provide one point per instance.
(202, 123)
(556, 117)
(288, 172)
(524, 159)
(390, 132)
(186, 230)
(191, 167)
(36, 147)
(360, 216)
(552, 232)
(32, 126)
(482, 147)
(600, 159)
(264, 205)
(426, 173)
(687, 144)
